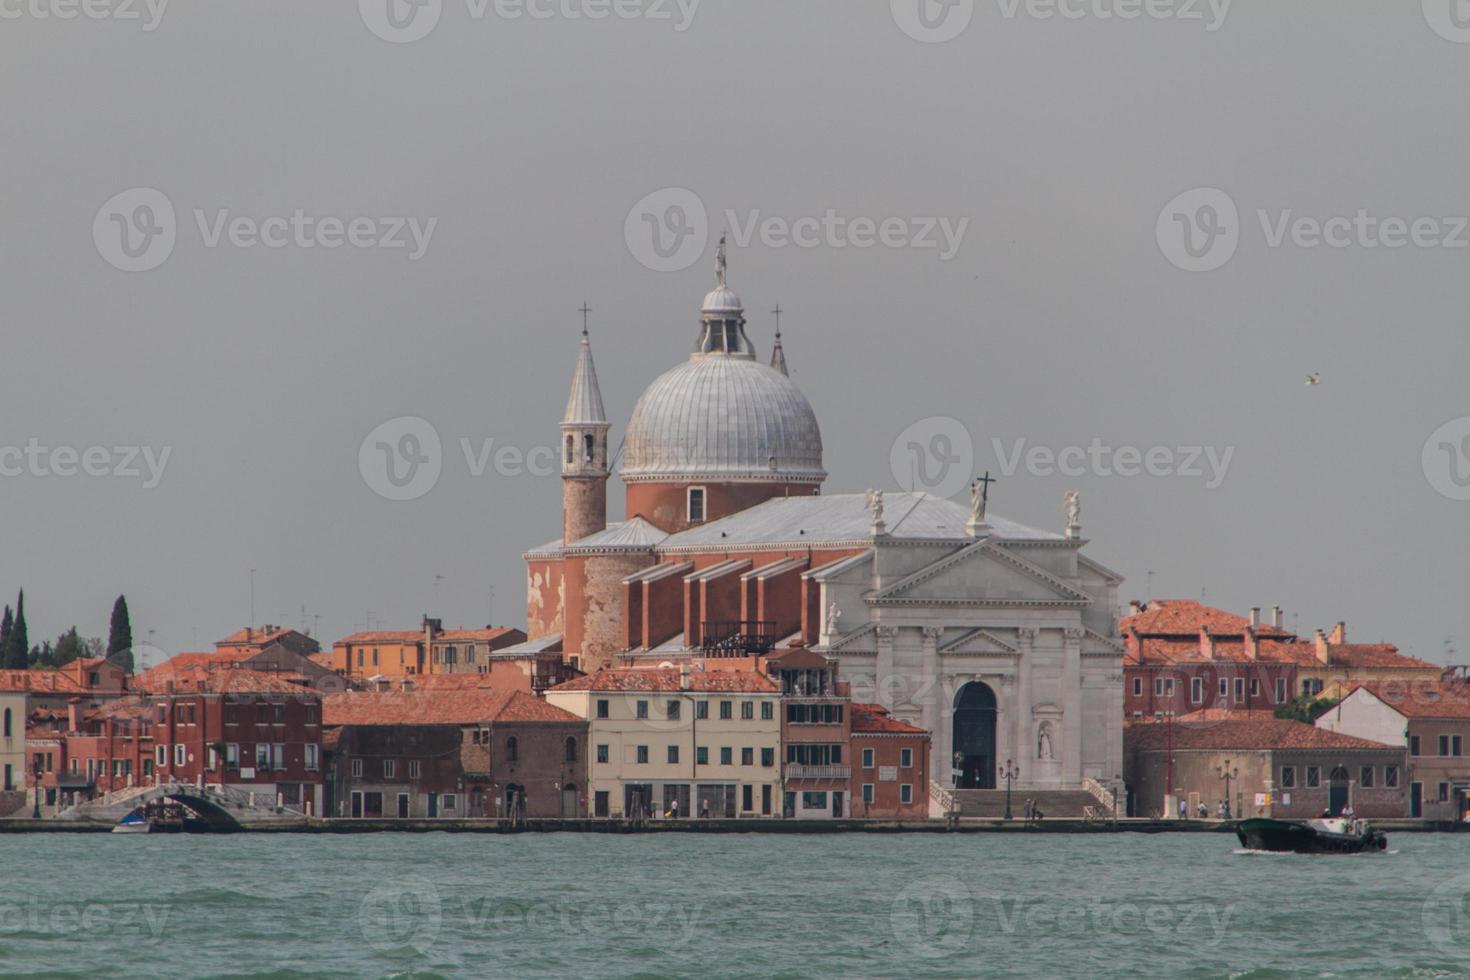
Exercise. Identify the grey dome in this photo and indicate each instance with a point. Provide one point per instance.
(723, 417)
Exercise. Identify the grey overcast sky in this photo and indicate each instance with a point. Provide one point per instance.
(1062, 318)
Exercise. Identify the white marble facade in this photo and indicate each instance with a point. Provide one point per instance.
(1028, 616)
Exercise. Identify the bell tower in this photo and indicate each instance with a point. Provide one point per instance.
(584, 463)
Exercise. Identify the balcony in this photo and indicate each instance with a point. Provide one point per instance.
(795, 770)
(739, 639)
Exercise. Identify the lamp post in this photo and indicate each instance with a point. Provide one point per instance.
(1008, 772)
(1226, 773)
(37, 812)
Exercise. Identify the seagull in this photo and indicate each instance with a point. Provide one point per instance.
(1314, 379)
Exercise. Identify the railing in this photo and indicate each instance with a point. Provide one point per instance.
(739, 638)
(1103, 795)
(941, 800)
(795, 770)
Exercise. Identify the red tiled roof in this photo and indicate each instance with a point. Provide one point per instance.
(668, 679)
(448, 682)
(221, 679)
(382, 636)
(255, 636)
(1185, 617)
(1421, 699)
(1158, 651)
(1235, 731)
(39, 682)
(471, 707)
(488, 633)
(873, 719)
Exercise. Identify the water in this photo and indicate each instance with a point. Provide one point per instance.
(670, 904)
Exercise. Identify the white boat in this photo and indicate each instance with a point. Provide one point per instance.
(134, 823)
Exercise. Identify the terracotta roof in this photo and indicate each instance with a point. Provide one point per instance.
(1157, 651)
(488, 633)
(382, 636)
(448, 682)
(873, 719)
(258, 636)
(667, 679)
(39, 682)
(1234, 731)
(1185, 617)
(471, 707)
(222, 679)
(1421, 699)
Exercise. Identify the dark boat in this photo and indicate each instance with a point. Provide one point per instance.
(165, 816)
(1336, 835)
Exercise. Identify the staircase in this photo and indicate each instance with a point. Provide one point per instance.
(991, 803)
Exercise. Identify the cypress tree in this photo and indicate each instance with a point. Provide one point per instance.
(7, 624)
(120, 636)
(20, 640)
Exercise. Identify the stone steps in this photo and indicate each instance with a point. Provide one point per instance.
(1053, 803)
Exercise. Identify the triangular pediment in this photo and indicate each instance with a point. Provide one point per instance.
(982, 574)
(864, 639)
(978, 641)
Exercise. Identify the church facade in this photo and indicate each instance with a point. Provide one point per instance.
(1000, 639)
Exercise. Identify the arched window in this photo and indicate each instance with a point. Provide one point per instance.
(7, 723)
(571, 447)
(571, 749)
(589, 445)
(510, 748)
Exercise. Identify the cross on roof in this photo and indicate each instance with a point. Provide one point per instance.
(777, 312)
(584, 311)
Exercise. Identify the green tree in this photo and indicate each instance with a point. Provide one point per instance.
(70, 646)
(1305, 709)
(7, 626)
(120, 636)
(20, 641)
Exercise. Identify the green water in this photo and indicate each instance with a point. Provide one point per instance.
(726, 905)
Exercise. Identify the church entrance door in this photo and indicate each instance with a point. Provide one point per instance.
(974, 736)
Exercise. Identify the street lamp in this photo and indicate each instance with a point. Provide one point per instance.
(37, 812)
(1008, 772)
(1226, 773)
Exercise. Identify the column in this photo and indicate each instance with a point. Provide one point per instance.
(1020, 729)
(1072, 705)
(885, 679)
(933, 705)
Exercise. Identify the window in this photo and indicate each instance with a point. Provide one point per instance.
(1314, 777)
(868, 788)
(905, 793)
(1390, 776)
(262, 713)
(1444, 745)
(640, 709)
(1444, 792)
(696, 505)
(867, 758)
(1158, 687)
(701, 756)
(701, 709)
(1137, 693)
(415, 769)
(673, 755)
(449, 801)
(1413, 744)
(1224, 689)
(6, 728)
(905, 758)
(674, 710)
(278, 756)
(571, 749)
(642, 755)
(390, 768)
(588, 446)
(1288, 777)
(747, 797)
(602, 753)
(278, 713)
(1281, 690)
(768, 757)
(1255, 687)
(1454, 745)
(1365, 777)
(161, 752)
(727, 710)
(602, 707)
(747, 710)
(727, 755)
(747, 756)
(313, 759)
(512, 748)
(181, 754)
(357, 768)
(232, 757)
(571, 448)
(1196, 690)
(1240, 689)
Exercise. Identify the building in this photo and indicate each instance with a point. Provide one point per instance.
(728, 548)
(470, 651)
(1277, 768)
(475, 752)
(253, 640)
(376, 654)
(1183, 656)
(13, 714)
(890, 776)
(267, 657)
(677, 741)
(1429, 719)
(379, 653)
(816, 736)
(50, 690)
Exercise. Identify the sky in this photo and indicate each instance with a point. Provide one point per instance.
(1095, 246)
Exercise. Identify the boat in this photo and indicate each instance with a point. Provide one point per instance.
(163, 816)
(134, 823)
(1329, 835)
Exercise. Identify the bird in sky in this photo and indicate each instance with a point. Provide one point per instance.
(1314, 379)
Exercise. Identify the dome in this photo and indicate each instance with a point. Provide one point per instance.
(722, 417)
(722, 300)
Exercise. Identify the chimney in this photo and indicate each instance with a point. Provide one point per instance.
(1339, 633)
(683, 677)
(1320, 642)
(1252, 644)
(74, 715)
(1255, 616)
(1206, 643)
(1134, 607)
(1276, 616)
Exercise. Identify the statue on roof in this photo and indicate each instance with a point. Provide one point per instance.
(720, 261)
(833, 615)
(875, 505)
(1073, 503)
